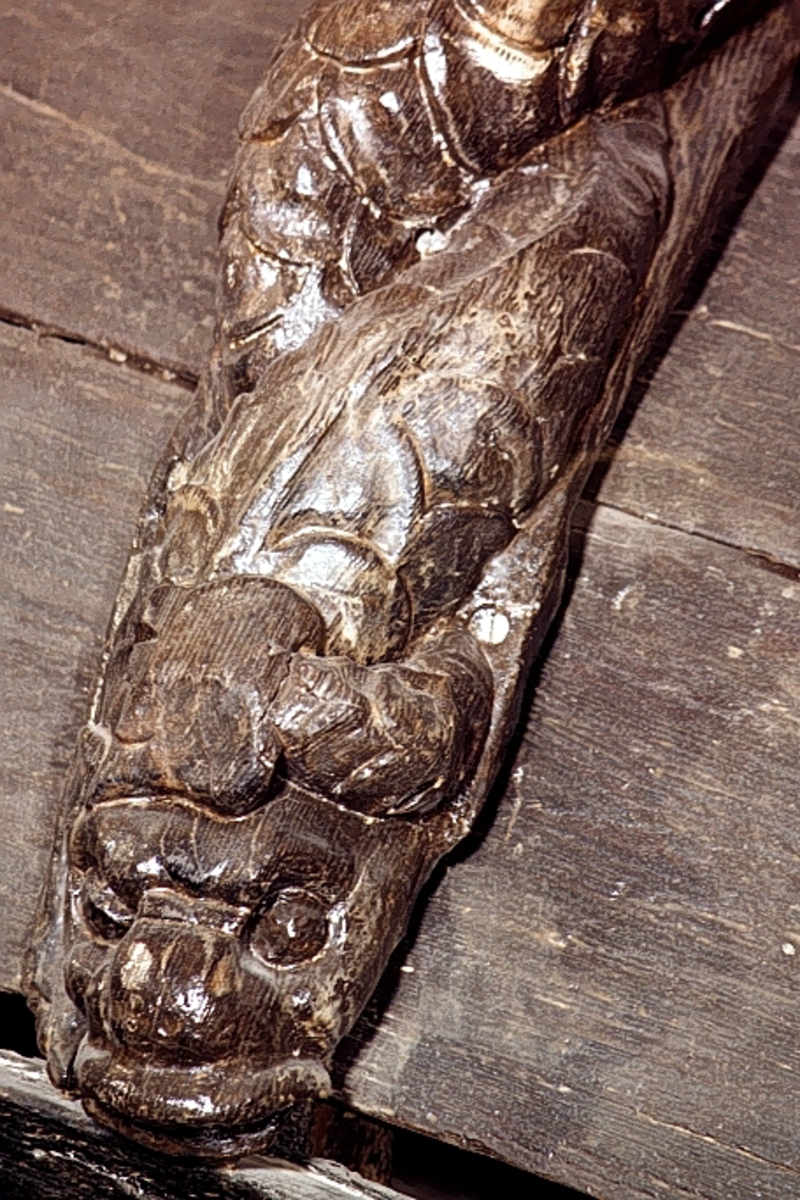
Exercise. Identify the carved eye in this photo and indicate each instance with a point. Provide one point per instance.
(106, 914)
(292, 929)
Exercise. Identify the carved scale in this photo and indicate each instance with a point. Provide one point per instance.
(452, 231)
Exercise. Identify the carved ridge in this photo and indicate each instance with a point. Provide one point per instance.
(316, 657)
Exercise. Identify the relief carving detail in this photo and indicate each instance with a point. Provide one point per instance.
(444, 251)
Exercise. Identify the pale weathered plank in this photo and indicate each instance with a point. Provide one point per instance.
(166, 81)
(118, 133)
(103, 245)
(49, 1150)
(78, 439)
(713, 446)
(605, 989)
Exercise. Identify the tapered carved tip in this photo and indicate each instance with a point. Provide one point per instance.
(349, 558)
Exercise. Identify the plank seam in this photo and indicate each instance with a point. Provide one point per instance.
(118, 355)
(765, 560)
(187, 380)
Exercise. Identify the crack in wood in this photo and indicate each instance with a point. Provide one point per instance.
(115, 354)
(763, 558)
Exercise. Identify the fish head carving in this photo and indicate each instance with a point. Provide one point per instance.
(237, 871)
(347, 564)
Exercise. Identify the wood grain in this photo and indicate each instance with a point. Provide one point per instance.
(604, 990)
(167, 82)
(102, 245)
(144, 109)
(78, 439)
(656, 756)
(712, 447)
(118, 133)
(178, 745)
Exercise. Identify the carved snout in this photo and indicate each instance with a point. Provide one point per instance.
(188, 1043)
(190, 1046)
(178, 993)
(251, 948)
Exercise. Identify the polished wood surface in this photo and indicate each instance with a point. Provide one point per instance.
(683, 1001)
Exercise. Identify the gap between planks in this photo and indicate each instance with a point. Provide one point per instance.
(763, 559)
(118, 355)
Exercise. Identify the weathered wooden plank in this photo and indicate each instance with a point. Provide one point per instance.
(78, 438)
(132, 121)
(118, 135)
(676, 1038)
(50, 1149)
(713, 446)
(101, 244)
(605, 989)
(763, 60)
(164, 81)
(754, 284)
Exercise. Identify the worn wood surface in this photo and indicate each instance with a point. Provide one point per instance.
(118, 133)
(712, 448)
(604, 990)
(614, 967)
(123, 237)
(114, 162)
(50, 1149)
(78, 438)
(163, 81)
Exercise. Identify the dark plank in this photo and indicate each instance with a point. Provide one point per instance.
(78, 439)
(605, 990)
(49, 1150)
(642, 1044)
(713, 446)
(135, 116)
(749, 290)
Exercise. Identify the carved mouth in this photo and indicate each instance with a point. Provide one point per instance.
(211, 1110)
(209, 1016)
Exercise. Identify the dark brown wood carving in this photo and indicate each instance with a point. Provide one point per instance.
(452, 230)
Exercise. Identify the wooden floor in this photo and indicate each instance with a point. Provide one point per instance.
(604, 986)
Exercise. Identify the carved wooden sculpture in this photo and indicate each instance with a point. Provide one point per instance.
(451, 233)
